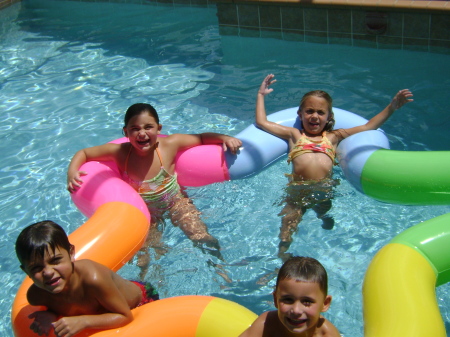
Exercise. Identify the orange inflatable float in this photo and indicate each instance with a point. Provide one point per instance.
(116, 229)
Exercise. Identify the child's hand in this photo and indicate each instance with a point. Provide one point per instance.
(42, 323)
(264, 88)
(401, 98)
(74, 181)
(69, 326)
(233, 144)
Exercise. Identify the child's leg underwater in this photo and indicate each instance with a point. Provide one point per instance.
(185, 215)
(321, 210)
(291, 217)
(153, 241)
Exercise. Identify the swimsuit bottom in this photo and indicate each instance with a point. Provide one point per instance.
(149, 293)
(308, 193)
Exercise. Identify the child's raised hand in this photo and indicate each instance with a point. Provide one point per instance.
(74, 181)
(264, 88)
(42, 323)
(69, 326)
(233, 144)
(401, 98)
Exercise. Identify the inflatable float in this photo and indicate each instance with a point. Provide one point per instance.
(116, 210)
(399, 296)
(400, 177)
(119, 218)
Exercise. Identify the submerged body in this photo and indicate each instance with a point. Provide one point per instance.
(312, 151)
(147, 162)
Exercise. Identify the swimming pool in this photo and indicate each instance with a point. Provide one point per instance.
(69, 70)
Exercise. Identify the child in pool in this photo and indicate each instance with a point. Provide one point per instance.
(147, 163)
(312, 153)
(300, 297)
(80, 294)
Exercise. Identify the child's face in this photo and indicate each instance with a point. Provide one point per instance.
(314, 114)
(142, 130)
(52, 272)
(299, 305)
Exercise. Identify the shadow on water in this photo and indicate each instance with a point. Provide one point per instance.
(125, 29)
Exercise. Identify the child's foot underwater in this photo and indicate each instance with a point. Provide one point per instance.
(283, 246)
(211, 246)
(327, 222)
(220, 270)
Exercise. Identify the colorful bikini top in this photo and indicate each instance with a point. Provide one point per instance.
(157, 192)
(306, 145)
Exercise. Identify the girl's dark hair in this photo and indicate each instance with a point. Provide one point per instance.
(322, 94)
(137, 109)
(37, 239)
(304, 269)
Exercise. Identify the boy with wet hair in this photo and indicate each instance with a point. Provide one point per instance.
(300, 297)
(78, 295)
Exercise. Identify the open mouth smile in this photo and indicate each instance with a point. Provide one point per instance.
(143, 142)
(53, 282)
(296, 322)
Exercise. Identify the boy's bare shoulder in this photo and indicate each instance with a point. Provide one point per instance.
(329, 330)
(92, 273)
(257, 327)
(266, 325)
(326, 329)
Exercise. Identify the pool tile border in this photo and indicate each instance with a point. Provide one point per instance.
(392, 24)
(374, 23)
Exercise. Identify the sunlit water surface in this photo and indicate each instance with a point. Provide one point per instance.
(69, 70)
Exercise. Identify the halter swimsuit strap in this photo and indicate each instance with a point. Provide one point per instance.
(129, 153)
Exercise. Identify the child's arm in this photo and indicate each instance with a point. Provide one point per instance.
(278, 130)
(98, 285)
(400, 99)
(70, 326)
(184, 141)
(42, 323)
(102, 153)
(228, 142)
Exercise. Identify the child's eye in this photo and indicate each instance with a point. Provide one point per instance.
(55, 260)
(307, 303)
(35, 269)
(287, 300)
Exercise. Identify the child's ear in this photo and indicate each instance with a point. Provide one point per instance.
(159, 128)
(24, 270)
(275, 301)
(72, 253)
(326, 303)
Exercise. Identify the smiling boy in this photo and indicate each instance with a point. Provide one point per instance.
(80, 294)
(300, 297)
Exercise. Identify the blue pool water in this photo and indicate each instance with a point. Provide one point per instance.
(69, 70)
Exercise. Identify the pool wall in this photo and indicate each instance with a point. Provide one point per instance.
(386, 24)
(411, 25)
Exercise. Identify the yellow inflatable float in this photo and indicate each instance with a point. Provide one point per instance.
(399, 291)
